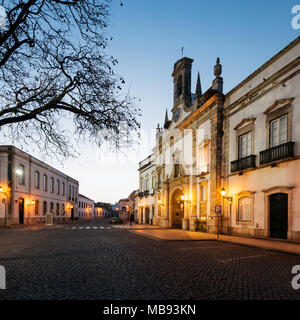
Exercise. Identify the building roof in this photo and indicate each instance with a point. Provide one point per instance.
(19, 152)
(82, 196)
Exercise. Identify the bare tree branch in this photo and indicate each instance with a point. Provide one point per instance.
(53, 66)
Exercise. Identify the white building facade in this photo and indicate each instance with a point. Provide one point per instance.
(262, 150)
(29, 189)
(238, 151)
(86, 208)
(147, 180)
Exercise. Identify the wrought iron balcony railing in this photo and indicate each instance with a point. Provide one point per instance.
(243, 163)
(141, 194)
(283, 151)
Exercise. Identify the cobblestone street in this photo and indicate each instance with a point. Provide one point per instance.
(92, 261)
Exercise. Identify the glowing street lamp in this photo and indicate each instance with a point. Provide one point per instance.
(19, 172)
(223, 192)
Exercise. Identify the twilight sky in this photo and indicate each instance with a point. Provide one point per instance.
(148, 36)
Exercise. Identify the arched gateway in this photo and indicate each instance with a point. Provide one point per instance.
(176, 209)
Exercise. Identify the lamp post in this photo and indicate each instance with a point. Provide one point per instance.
(223, 192)
(4, 192)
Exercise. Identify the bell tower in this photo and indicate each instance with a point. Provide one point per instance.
(182, 82)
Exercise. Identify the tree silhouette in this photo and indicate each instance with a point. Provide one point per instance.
(53, 70)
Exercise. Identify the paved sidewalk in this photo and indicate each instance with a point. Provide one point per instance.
(134, 226)
(33, 227)
(181, 235)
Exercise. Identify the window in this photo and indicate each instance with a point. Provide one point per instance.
(51, 207)
(63, 209)
(203, 158)
(159, 180)
(57, 209)
(52, 185)
(21, 174)
(37, 179)
(73, 193)
(63, 188)
(45, 182)
(69, 192)
(141, 186)
(147, 184)
(278, 131)
(203, 193)
(153, 182)
(44, 208)
(36, 207)
(176, 170)
(58, 186)
(245, 145)
(244, 209)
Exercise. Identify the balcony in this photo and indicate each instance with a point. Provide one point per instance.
(243, 163)
(141, 194)
(146, 193)
(283, 151)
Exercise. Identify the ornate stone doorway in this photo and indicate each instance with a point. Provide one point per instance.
(177, 209)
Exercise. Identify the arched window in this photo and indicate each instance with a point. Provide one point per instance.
(244, 209)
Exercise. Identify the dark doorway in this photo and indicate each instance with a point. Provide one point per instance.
(147, 215)
(72, 213)
(21, 211)
(279, 215)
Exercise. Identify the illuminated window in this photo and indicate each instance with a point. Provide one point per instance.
(244, 209)
(203, 157)
(36, 207)
(21, 174)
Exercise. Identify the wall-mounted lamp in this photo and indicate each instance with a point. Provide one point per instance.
(223, 192)
(187, 201)
(19, 172)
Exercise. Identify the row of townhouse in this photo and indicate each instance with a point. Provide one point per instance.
(30, 188)
(238, 152)
(86, 209)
